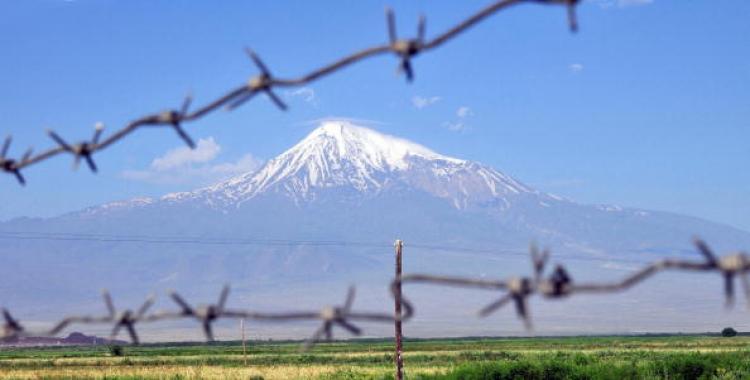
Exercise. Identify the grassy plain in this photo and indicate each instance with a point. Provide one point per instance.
(669, 357)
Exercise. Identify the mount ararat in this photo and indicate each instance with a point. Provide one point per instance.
(345, 181)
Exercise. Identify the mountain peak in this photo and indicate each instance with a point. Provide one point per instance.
(340, 156)
(379, 150)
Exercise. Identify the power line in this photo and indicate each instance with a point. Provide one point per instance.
(105, 238)
(223, 241)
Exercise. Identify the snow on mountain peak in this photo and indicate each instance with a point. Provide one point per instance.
(341, 155)
(377, 149)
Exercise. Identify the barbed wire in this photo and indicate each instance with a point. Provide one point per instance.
(330, 316)
(518, 289)
(560, 284)
(264, 82)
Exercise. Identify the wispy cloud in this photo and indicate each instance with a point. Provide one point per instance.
(420, 102)
(575, 68)
(455, 126)
(307, 94)
(464, 112)
(623, 3)
(353, 120)
(459, 125)
(246, 163)
(192, 166)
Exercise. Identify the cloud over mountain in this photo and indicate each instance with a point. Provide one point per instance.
(183, 165)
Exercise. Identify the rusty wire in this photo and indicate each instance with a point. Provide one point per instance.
(560, 284)
(264, 82)
(330, 316)
(517, 290)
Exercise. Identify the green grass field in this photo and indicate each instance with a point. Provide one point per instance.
(676, 357)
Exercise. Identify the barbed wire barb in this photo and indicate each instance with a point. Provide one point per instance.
(262, 82)
(729, 266)
(11, 327)
(127, 318)
(10, 165)
(405, 48)
(206, 315)
(572, 18)
(539, 260)
(82, 149)
(175, 118)
(334, 315)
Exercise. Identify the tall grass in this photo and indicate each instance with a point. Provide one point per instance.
(642, 365)
(517, 358)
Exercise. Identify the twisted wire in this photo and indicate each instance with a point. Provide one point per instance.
(264, 82)
(559, 283)
(515, 290)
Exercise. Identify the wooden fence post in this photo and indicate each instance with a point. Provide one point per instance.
(399, 349)
(244, 349)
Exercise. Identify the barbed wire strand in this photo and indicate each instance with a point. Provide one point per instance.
(330, 316)
(558, 284)
(264, 82)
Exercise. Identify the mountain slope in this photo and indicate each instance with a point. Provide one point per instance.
(347, 180)
(342, 156)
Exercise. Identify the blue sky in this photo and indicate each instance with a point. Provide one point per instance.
(647, 106)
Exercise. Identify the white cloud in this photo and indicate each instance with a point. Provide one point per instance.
(246, 163)
(420, 102)
(307, 94)
(459, 125)
(455, 126)
(192, 166)
(205, 150)
(464, 112)
(575, 68)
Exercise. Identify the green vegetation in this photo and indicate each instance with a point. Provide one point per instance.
(653, 357)
(641, 365)
(116, 350)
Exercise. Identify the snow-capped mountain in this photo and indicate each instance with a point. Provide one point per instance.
(342, 172)
(346, 158)
(342, 179)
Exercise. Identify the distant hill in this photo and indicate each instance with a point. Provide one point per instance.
(73, 339)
